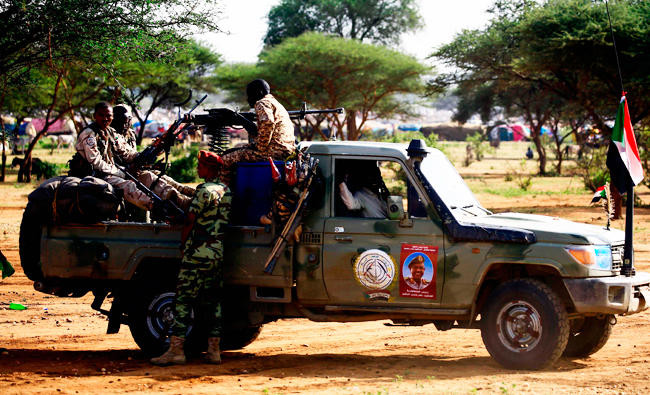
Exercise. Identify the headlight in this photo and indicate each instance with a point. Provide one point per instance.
(597, 257)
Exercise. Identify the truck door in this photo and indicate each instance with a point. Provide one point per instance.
(372, 256)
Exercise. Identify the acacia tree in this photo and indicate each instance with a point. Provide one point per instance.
(191, 67)
(378, 21)
(329, 72)
(561, 47)
(53, 33)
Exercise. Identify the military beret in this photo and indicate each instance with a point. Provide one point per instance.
(208, 158)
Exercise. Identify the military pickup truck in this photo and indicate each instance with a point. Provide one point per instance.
(537, 287)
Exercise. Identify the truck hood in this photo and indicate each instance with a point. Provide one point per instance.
(552, 229)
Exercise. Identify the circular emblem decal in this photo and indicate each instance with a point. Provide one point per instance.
(374, 269)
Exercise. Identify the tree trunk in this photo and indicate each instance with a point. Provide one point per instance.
(353, 133)
(541, 152)
(4, 154)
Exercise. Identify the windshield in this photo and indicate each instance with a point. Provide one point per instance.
(449, 185)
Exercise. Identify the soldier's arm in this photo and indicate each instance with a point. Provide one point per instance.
(265, 123)
(124, 149)
(87, 148)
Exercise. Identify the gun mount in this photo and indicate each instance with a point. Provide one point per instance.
(218, 119)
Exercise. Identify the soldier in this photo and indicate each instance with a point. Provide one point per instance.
(162, 184)
(122, 125)
(275, 136)
(200, 279)
(101, 147)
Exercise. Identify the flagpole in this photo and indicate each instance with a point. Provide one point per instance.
(628, 252)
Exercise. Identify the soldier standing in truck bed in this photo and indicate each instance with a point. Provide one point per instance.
(100, 148)
(200, 279)
(275, 138)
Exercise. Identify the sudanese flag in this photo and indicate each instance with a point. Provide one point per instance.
(623, 158)
(600, 193)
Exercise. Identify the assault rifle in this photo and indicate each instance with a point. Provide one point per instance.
(166, 204)
(165, 141)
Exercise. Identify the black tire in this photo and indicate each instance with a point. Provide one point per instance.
(588, 335)
(524, 325)
(235, 339)
(150, 318)
(152, 314)
(29, 241)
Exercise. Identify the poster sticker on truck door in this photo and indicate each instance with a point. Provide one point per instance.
(375, 270)
(417, 279)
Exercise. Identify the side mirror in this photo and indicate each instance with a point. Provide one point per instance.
(396, 211)
(395, 207)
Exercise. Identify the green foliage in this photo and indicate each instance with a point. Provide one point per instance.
(328, 72)
(406, 137)
(190, 67)
(98, 32)
(644, 152)
(523, 180)
(478, 144)
(530, 61)
(379, 21)
(48, 169)
(593, 169)
(184, 169)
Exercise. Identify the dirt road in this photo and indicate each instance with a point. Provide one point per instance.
(59, 345)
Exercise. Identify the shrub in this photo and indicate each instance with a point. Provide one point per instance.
(592, 167)
(184, 169)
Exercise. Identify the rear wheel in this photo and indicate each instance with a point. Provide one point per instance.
(524, 325)
(588, 335)
(151, 318)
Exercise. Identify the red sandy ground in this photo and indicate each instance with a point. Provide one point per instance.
(65, 348)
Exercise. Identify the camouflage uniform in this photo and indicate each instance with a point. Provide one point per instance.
(275, 137)
(200, 279)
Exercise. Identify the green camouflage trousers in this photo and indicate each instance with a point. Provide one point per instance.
(199, 287)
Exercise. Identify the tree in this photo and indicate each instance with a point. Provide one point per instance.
(329, 72)
(98, 31)
(52, 34)
(378, 21)
(191, 67)
(563, 49)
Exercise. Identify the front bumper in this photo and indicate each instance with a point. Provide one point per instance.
(610, 295)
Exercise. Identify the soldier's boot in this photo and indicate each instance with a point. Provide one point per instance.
(213, 355)
(174, 356)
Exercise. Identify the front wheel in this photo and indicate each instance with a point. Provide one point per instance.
(524, 325)
(588, 335)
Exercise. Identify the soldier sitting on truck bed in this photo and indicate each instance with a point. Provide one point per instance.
(122, 125)
(275, 137)
(99, 148)
(200, 280)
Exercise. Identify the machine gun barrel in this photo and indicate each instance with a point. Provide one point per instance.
(299, 114)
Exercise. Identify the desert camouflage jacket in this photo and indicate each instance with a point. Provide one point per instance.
(102, 149)
(275, 129)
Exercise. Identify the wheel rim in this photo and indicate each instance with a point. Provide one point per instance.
(160, 315)
(519, 326)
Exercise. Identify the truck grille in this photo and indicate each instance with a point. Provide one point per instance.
(311, 238)
(617, 257)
